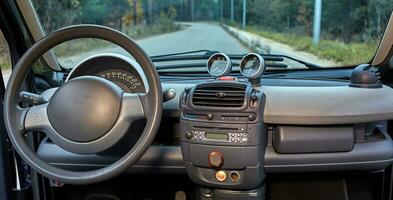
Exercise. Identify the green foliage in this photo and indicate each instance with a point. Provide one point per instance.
(5, 62)
(137, 18)
(344, 20)
(164, 24)
(350, 28)
(77, 46)
(348, 53)
(95, 11)
(55, 14)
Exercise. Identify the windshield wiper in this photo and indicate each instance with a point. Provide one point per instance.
(307, 64)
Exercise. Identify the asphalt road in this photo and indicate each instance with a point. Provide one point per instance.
(197, 36)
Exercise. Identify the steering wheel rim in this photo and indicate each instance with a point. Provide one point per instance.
(15, 116)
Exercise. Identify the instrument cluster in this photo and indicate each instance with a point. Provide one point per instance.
(121, 70)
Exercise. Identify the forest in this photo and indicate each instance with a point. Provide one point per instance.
(345, 20)
(346, 25)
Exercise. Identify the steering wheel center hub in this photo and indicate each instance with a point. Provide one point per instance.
(85, 108)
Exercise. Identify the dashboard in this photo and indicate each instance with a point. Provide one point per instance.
(302, 109)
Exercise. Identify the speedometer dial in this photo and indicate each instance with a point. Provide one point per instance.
(127, 81)
(252, 66)
(219, 65)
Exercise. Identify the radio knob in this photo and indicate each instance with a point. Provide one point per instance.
(216, 159)
(189, 134)
(252, 117)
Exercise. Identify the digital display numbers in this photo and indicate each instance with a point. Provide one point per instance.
(217, 136)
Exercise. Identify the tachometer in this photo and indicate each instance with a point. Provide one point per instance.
(252, 66)
(125, 80)
(219, 64)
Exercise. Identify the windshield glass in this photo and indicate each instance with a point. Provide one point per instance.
(325, 33)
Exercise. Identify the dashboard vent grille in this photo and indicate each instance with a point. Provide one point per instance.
(219, 95)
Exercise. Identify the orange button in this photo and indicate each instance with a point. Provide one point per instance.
(216, 159)
(221, 176)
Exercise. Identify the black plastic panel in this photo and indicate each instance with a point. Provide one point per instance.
(250, 177)
(375, 152)
(234, 157)
(157, 159)
(298, 139)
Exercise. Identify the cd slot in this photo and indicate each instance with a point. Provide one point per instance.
(234, 117)
(217, 128)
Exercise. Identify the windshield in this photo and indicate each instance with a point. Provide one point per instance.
(325, 33)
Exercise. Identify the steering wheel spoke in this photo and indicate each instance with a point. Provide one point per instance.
(36, 119)
(133, 105)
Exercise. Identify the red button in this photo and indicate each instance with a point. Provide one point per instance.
(227, 78)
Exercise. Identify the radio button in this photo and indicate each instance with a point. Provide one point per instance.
(252, 117)
(244, 137)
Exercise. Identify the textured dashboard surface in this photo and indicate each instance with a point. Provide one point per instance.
(315, 105)
(327, 105)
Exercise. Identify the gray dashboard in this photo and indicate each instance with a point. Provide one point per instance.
(301, 105)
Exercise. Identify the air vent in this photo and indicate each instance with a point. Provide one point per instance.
(219, 95)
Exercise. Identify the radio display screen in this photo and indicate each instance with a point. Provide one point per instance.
(217, 136)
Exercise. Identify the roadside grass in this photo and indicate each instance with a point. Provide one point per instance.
(5, 62)
(347, 53)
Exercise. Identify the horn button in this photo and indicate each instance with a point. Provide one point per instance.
(85, 108)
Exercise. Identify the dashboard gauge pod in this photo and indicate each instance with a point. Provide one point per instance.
(219, 65)
(252, 66)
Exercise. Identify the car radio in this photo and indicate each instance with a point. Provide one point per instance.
(217, 136)
(220, 133)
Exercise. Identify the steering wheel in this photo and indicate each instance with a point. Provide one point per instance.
(86, 115)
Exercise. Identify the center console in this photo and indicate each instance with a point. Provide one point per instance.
(224, 138)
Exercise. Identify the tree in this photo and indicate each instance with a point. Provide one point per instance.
(67, 13)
